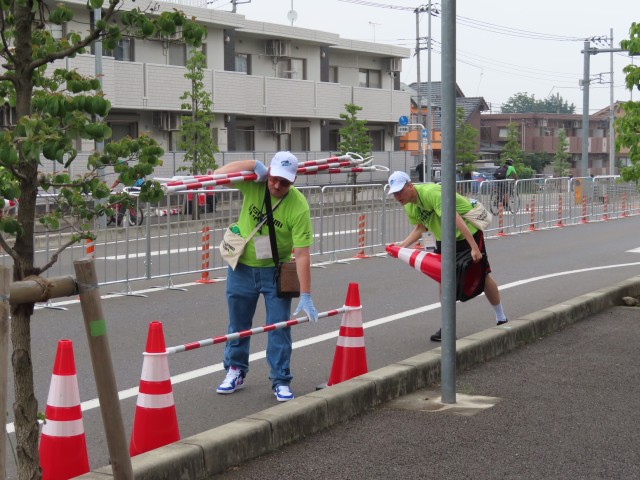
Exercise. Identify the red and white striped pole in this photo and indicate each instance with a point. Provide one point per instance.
(254, 331)
(500, 212)
(559, 222)
(362, 221)
(624, 204)
(205, 257)
(532, 222)
(90, 248)
(606, 207)
(584, 209)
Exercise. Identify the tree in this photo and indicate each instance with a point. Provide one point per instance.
(628, 126)
(537, 161)
(560, 160)
(195, 130)
(354, 138)
(513, 150)
(53, 110)
(466, 144)
(524, 103)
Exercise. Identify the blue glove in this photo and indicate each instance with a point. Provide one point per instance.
(261, 171)
(306, 304)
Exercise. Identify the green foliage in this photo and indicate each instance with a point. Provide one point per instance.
(524, 103)
(466, 143)
(354, 136)
(196, 127)
(536, 161)
(54, 110)
(628, 126)
(513, 150)
(561, 158)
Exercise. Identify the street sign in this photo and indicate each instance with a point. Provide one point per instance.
(403, 130)
(425, 133)
(403, 120)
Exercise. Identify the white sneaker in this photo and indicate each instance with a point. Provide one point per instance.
(283, 393)
(232, 382)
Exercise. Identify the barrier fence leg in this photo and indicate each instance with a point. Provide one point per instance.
(205, 257)
(500, 218)
(584, 209)
(559, 222)
(532, 223)
(362, 221)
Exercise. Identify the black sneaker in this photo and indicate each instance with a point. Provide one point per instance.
(502, 322)
(437, 337)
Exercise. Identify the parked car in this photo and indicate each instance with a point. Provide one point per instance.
(478, 178)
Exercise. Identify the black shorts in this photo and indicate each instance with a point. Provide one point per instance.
(463, 245)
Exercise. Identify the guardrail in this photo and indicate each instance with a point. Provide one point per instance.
(348, 220)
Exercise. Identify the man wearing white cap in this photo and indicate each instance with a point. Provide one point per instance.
(423, 205)
(254, 273)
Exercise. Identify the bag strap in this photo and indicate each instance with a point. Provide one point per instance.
(272, 228)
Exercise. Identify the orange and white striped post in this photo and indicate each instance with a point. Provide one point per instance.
(584, 209)
(500, 224)
(89, 248)
(532, 221)
(559, 222)
(605, 216)
(205, 257)
(362, 222)
(624, 204)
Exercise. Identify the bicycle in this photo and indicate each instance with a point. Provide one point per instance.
(501, 194)
(133, 215)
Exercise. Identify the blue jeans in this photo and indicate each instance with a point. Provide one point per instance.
(244, 286)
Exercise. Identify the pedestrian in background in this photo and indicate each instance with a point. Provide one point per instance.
(423, 206)
(254, 274)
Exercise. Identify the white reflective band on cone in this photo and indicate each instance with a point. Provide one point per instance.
(351, 342)
(164, 400)
(70, 428)
(352, 320)
(63, 391)
(155, 369)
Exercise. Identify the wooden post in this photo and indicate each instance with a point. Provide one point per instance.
(96, 329)
(5, 282)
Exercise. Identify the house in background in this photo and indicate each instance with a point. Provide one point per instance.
(538, 133)
(473, 107)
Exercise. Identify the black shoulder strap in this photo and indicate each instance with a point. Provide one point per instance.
(272, 229)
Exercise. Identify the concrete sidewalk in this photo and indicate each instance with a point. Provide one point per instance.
(562, 407)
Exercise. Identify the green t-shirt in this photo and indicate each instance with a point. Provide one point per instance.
(428, 210)
(511, 170)
(291, 218)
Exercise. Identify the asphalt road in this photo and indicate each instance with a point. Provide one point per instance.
(400, 311)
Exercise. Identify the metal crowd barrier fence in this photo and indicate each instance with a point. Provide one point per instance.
(348, 221)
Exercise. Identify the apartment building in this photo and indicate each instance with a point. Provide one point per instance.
(274, 87)
(539, 134)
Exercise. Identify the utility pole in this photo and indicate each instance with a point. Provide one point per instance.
(417, 11)
(612, 131)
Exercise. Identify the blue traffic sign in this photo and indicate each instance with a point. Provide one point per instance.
(425, 133)
(403, 120)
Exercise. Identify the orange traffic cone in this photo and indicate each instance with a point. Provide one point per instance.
(155, 423)
(63, 447)
(470, 276)
(350, 359)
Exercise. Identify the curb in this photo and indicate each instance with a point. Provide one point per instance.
(211, 452)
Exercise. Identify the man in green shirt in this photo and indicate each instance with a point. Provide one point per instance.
(254, 273)
(423, 206)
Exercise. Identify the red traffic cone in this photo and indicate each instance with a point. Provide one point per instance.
(155, 423)
(63, 447)
(350, 359)
(428, 263)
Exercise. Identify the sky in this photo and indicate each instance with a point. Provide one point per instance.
(503, 46)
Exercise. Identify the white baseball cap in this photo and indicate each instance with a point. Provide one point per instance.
(397, 181)
(284, 165)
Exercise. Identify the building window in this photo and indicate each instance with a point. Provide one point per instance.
(377, 140)
(299, 139)
(122, 130)
(502, 132)
(245, 139)
(123, 52)
(177, 54)
(293, 68)
(369, 78)
(242, 63)
(333, 75)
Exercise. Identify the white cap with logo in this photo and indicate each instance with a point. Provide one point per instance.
(397, 181)
(284, 165)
